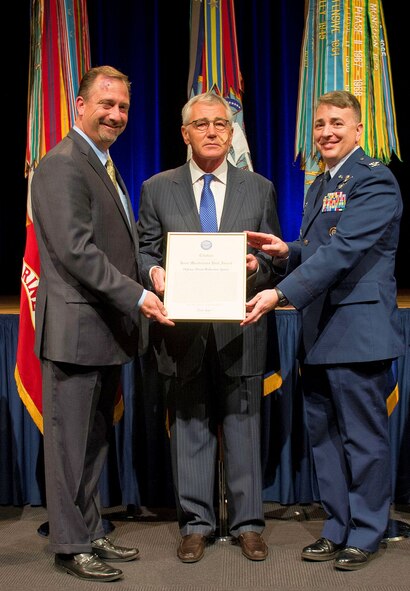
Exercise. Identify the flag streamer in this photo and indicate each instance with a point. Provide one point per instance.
(214, 66)
(344, 47)
(59, 57)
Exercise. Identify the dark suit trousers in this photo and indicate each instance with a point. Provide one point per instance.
(348, 432)
(195, 409)
(78, 405)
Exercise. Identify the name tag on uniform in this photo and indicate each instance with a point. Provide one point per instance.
(334, 202)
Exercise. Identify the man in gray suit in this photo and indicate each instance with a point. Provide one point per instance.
(212, 371)
(88, 309)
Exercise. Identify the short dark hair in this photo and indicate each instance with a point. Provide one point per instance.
(91, 75)
(342, 99)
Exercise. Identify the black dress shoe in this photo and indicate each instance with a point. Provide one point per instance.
(253, 545)
(191, 548)
(321, 550)
(87, 566)
(353, 558)
(105, 549)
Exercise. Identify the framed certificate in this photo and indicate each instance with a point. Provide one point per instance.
(206, 276)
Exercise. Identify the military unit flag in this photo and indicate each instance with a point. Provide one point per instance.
(59, 56)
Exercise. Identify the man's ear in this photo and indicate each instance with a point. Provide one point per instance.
(185, 135)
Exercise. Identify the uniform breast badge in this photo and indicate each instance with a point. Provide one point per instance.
(334, 202)
(343, 180)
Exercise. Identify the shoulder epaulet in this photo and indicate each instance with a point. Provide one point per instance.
(370, 162)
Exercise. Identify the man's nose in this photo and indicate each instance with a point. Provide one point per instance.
(211, 128)
(115, 112)
(327, 129)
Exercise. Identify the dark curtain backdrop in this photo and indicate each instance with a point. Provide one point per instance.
(152, 46)
(149, 41)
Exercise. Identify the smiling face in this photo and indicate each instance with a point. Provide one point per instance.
(103, 113)
(336, 132)
(209, 146)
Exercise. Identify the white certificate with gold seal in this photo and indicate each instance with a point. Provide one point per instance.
(206, 276)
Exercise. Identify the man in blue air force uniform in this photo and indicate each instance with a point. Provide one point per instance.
(340, 275)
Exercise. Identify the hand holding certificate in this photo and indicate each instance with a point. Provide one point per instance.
(206, 276)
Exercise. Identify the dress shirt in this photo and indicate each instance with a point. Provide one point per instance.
(218, 185)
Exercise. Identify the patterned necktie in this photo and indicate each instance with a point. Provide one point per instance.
(111, 171)
(109, 165)
(207, 209)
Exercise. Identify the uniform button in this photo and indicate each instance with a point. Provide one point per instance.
(306, 242)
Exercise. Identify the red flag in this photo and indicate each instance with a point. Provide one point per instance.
(59, 57)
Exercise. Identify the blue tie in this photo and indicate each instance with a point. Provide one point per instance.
(207, 210)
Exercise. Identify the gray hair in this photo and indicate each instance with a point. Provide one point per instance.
(208, 98)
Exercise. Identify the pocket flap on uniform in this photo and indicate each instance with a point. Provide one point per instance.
(355, 293)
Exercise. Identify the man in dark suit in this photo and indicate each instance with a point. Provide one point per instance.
(212, 371)
(340, 274)
(89, 305)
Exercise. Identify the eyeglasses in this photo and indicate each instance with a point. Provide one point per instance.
(203, 124)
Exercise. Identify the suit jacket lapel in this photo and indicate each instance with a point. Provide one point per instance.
(96, 164)
(313, 204)
(234, 196)
(334, 184)
(185, 198)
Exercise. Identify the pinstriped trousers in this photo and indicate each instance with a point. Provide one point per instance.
(195, 409)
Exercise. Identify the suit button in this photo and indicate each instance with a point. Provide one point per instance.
(306, 242)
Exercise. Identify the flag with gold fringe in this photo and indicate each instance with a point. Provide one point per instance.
(59, 56)
(345, 47)
(392, 388)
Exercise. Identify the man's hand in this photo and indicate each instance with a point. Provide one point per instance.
(152, 307)
(252, 264)
(268, 243)
(157, 276)
(263, 302)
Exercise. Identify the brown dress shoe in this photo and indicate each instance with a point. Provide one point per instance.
(191, 548)
(253, 545)
(321, 550)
